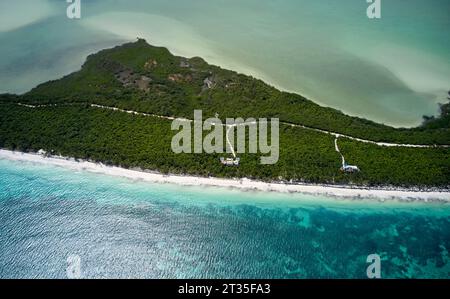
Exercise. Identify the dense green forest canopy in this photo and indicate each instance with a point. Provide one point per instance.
(138, 76)
(130, 141)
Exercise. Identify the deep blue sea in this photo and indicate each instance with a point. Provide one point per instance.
(119, 228)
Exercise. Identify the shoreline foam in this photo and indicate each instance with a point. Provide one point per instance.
(240, 184)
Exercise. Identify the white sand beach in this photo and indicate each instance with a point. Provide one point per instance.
(241, 184)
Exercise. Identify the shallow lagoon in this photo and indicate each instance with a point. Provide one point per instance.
(392, 70)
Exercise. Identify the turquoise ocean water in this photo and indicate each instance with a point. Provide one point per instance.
(392, 70)
(123, 228)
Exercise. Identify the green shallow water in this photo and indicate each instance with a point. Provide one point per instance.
(125, 228)
(392, 70)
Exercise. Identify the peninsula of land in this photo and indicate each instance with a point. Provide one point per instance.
(117, 110)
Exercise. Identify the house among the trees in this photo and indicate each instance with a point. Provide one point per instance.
(349, 168)
(230, 161)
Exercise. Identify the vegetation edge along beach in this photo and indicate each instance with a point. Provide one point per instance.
(335, 191)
